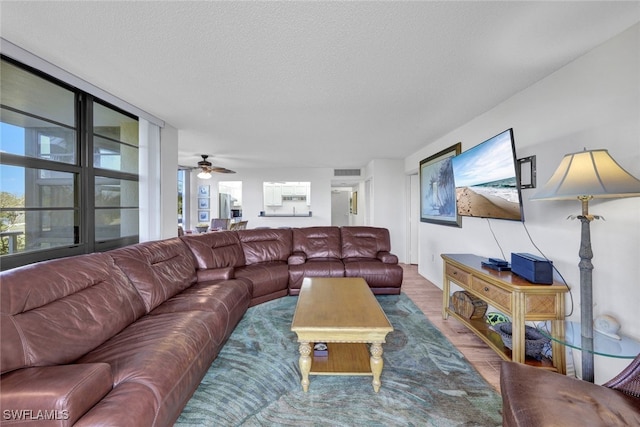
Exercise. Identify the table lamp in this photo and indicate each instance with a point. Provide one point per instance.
(586, 175)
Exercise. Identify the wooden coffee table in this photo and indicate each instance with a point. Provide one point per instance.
(344, 313)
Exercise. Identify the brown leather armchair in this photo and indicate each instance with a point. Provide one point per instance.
(535, 397)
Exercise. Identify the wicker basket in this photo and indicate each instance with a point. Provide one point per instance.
(468, 306)
(534, 340)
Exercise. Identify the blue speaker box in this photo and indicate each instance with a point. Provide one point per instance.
(533, 268)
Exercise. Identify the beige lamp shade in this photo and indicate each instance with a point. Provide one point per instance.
(589, 173)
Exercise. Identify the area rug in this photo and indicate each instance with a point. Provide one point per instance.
(255, 381)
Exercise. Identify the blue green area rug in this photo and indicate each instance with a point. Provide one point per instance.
(255, 381)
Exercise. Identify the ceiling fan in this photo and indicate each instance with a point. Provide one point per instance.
(206, 168)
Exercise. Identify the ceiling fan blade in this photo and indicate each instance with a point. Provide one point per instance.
(221, 170)
(207, 167)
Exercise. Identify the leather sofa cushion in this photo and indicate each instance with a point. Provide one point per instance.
(166, 353)
(61, 393)
(376, 273)
(535, 397)
(158, 269)
(85, 300)
(265, 245)
(227, 300)
(216, 250)
(267, 277)
(215, 274)
(317, 242)
(130, 404)
(364, 242)
(318, 267)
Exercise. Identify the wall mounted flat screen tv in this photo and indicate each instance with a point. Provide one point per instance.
(487, 179)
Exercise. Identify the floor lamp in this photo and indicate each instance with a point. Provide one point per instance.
(586, 175)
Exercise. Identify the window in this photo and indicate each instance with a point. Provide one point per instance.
(115, 164)
(181, 198)
(56, 199)
(287, 198)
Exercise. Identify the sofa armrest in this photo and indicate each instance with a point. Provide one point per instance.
(387, 257)
(63, 393)
(297, 258)
(213, 274)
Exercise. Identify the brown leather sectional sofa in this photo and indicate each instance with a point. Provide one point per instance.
(123, 338)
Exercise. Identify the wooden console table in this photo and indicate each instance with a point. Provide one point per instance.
(512, 295)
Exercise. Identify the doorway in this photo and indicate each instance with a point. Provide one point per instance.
(340, 207)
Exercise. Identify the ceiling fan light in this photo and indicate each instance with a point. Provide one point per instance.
(204, 175)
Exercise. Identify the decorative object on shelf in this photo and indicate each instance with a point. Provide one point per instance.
(607, 325)
(438, 189)
(202, 227)
(586, 175)
(320, 349)
(494, 318)
(468, 305)
(534, 340)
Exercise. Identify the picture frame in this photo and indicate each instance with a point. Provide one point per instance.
(203, 203)
(203, 216)
(203, 191)
(354, 203)
(438, 190)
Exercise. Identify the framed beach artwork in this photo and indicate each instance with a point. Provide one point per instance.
(438, 189)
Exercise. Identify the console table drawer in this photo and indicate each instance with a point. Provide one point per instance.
(458, 275)
(491, 293)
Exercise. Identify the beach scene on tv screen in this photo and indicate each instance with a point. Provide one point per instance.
(485, 180)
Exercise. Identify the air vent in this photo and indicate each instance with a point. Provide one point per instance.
(346, 172)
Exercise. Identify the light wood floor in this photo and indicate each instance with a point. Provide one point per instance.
(428, 297)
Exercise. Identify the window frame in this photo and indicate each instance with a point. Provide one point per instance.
(84, 179)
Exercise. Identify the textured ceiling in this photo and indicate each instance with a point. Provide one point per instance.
(311, 84)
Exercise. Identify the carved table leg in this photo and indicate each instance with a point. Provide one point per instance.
(305, 364)
(376, 364)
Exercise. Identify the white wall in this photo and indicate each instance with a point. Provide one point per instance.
(389, 204)
(593, 102)
(168, 182)
(252, 195)
(388, 201)
(158, 183)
